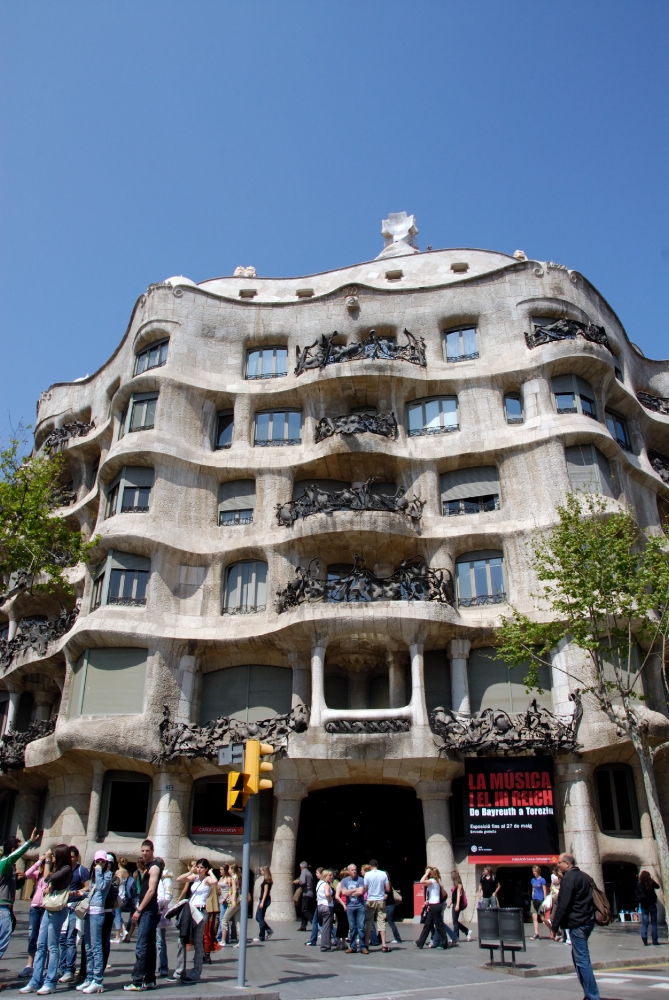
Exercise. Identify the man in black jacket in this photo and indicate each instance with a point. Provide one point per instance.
(575, 910)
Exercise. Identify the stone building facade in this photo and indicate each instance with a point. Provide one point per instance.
(313, 499)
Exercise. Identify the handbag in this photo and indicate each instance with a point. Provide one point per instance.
(54, 902)
(81, 909)
(423, 913)
(397, 897)
(297, 895)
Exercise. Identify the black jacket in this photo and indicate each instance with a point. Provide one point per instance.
(574, 903)
(646, 896)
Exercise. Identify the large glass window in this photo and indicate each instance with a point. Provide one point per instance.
(108, 682)
(267, 362)
(480, 579)
(617, 426)
(154, 356)
(140, 413)
(249, 693)
(573, 394)
(236, 502)
(130, 492)
(493, 684)
(122, 579)
(245, 588)
(589, 470)
(470, 491)
(616, 799)
(460, 344)
(225, 426)
(278, 427)
(513, 408)
(433, 416)
(124, 804)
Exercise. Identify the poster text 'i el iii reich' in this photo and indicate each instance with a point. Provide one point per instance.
(511, 811)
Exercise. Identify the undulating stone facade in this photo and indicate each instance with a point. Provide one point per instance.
(313, 499)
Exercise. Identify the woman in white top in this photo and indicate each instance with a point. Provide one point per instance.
(433, 918)
(325, 902)
(200, 879)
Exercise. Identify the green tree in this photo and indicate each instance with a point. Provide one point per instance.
(36, 546)
(605, 587)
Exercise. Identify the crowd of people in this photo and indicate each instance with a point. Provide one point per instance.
(352, 911)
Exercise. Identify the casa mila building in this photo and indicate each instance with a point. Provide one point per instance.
(313, 500)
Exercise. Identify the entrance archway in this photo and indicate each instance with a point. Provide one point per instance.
(353, 823)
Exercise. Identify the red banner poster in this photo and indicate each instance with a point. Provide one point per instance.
(218, 831)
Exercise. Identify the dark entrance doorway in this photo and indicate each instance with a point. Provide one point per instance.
(353, 823)
(620, 879)
(515, 886)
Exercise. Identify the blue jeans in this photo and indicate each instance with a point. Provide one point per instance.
(314, 927)
(145, 951)
(161, 945)
(650, 913)
(95, 965)
(262, 923)
(68, 958)
(581, 958)
(390, 920)
(449, 930)
(48, 941)
(356, 925)
(5, 928)
(34, 921)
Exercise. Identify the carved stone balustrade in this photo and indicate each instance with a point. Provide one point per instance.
(180, 739)
(413, 581)
(567, 329)
(351, 727)
(315, 500)
(324, 352)
(384, 424)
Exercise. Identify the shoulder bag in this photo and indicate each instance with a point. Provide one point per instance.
(56, 901)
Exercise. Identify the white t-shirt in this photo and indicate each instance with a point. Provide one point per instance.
(321, 898)
(375, 884)
(434, 891)
(199, 892)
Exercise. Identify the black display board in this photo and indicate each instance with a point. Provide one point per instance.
(510, 811)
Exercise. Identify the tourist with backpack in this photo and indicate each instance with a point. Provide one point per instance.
(459, 904)
(579, 904)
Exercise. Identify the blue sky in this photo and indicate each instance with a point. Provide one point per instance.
(144, 139)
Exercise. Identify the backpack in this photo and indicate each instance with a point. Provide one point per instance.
(601, 904)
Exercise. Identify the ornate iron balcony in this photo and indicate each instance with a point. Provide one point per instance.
(472, 602)
(354, 498)
(324, 352)
(464, 357)
(567, 329)
(384, 424)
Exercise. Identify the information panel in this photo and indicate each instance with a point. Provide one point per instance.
(510, 811)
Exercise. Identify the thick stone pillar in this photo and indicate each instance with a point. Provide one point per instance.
(418, 685)
(93, 822)
(459, 653)
(14, 698)
(396, 680)
(187, 668)
(170, 807)
(317, 687)
(301, 679)
(434, 796)
(579, 820)
(289, 795)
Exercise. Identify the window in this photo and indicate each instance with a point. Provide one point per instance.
(154, 356)
(130, 492)
(236, 502)
(93, 474)
(460, 344)
(573, 395)
(122, 579)
(513, 408)
(589, 471)
(249, 693)
(124, 804)
(140, 413)
(25, 712)
(617, 426)
(327, 485)
(108, 682)
(433, 416)
(245, 588)
(493, 684)
(225, 425)
(480, 578)
(336, 690)
(437, 674)
(210, 809)
(470, 491)
(278, 427)
(616, 799)
(267, 362)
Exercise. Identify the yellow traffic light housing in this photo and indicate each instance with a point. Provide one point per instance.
(254, 765)
(237, 792)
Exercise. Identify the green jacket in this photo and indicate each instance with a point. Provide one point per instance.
(8, 875)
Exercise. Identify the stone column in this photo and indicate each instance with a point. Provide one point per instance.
(170, 807)
(396, 680)
(579, 820)
(289, 795)
(459, 653)
(93, 822)
(43, 703)
(187, 683)
(418, 685)
(14, 698)
(317, 686)
(434, 796)
(301, 679)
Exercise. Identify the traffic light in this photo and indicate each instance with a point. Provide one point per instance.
(237, 793)
(254, 765)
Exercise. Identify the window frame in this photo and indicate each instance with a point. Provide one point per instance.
(220, 416)
(259, 351)
(610, 769)
(236, 511)
(76, 711)
(462, 329)
(614, 416)
(484, 555)
(604, 487)
(115, 776)
(114, 504)
(577, 396)
(102, 582)
(271, 442)
(514, 420)
(128, 413)
(243, 609)
(146, 352)
(425, 431)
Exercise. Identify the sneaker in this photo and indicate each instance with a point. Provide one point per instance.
(309, 944)
(82, 986)
(27, 989)
(67, 977)
(95, 988)
(268, 934)
(131, 988)
(44, 990)
(469, 936)
(26, 973)
(173, 979)
(154, 986)
(257, 941)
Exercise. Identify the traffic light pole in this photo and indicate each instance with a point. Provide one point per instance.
(244, 908)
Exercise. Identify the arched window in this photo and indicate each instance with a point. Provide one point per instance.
(153, 356)
(278, 427)
(460, 344)
(250, 693)
(438, 415)
(616, 800)
(267, 362)
(573, 394)
(470, 491)
(245, 588)
(480, 578)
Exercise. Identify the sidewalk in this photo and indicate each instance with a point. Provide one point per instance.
(285, 966)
